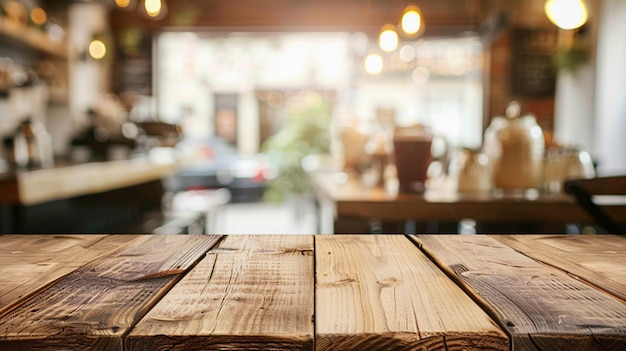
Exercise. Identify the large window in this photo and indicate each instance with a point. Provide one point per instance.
(437, 83)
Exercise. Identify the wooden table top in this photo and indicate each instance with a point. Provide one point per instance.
(305, 292)
(348, 197)
(29, 187)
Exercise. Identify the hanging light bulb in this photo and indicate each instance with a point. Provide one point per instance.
(125, 4)
(373, 64)
(97, 49)
(154, 9)
(567, 14)
(388, 38)
(411, 22)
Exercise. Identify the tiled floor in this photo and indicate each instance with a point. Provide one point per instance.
(264, 218)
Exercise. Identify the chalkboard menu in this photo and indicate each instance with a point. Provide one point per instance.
(134, 64)
(533, 69)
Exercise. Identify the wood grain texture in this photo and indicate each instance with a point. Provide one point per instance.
(597, 259)
(251, 293)
(28, 263)
(94, 306)
(382, 293)
(541, 307)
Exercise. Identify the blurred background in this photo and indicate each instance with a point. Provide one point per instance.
(248, 97)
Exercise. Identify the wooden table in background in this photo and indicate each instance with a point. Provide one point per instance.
(346, 206)
(304, 292)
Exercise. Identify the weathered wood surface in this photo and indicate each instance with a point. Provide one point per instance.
(597, 259)
(28, 263)
(382, 293)
(252, 292)
(96, 305)
(542, 308)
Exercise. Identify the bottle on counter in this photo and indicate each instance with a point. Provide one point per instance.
(32, 145)
(378, 158)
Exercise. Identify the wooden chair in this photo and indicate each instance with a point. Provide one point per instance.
(584, 191)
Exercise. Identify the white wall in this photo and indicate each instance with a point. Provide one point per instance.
(610, 107)
(574, 108)
(86, 78)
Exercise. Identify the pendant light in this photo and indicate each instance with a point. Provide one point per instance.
(97, 49)
(567, 14)
(411, 22)
(153, 9)
(150, 9)
(125, 4)
(373, 64)
(388, 38)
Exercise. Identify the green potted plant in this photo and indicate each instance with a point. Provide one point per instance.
(306, 131)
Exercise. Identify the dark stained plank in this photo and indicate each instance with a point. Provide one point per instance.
(29, 263)
(542, 308)
(379, 292)
(597, 259)
(93, 307)
(253, 292)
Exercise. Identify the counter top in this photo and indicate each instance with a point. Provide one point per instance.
(305, 292)
(29, 187)
(345, 197)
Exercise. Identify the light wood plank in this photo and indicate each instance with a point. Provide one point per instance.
(381, 293)
(597, 259)
(253, 292)
(542, 308)
(28, 263)
(93, 307)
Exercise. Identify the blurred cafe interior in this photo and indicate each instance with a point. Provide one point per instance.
(312, 116)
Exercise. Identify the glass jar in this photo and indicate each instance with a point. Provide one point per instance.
(472, 172)
(378, 157)
(561, 163)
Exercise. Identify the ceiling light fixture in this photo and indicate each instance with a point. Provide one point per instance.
(388, 38)
(125, 4)
(411, 22)
(150, 9)
(97, 49)
(410, 25)
(373, 64)
(154, 9)
(567, 14)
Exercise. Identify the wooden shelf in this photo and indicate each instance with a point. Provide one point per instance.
(33, 38)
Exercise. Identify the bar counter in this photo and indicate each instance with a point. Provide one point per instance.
(83, 198)
(305, 292)
(30, 187)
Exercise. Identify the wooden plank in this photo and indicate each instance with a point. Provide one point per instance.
(94, 306)
(28, 263)
(541, 308)
(253, 292)
(381, 293)
(597, 259)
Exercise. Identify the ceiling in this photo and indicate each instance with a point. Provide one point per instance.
(442, 17)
